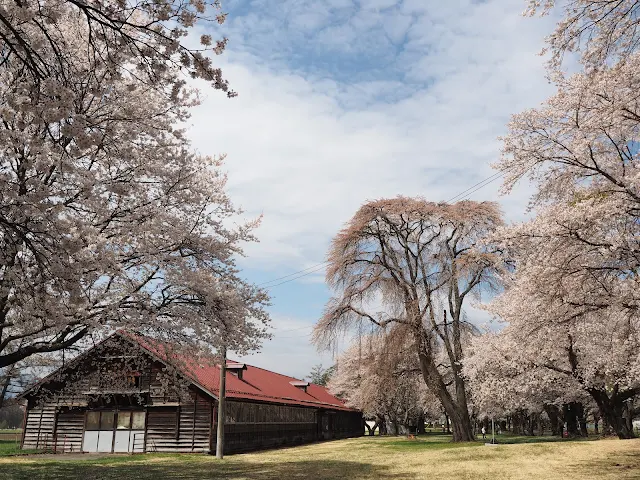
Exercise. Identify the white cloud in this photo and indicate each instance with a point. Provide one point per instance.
(307, 143)
(290, 351)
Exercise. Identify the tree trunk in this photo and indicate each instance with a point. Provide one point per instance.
(382, 428)
(540, 424)
(455, 407)
(369, 430)
(420, 427)
(396, 427)
(596, 420)
(553, 413)
(5, 387)
(530, 424)
(571, 418)
(614, 411)
(456, 411)
(516, 423)
(582, 419)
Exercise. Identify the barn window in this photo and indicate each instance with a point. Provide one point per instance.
(93, 420)
(137, 421)
(133, 379)
(106, 420)
(124, 420)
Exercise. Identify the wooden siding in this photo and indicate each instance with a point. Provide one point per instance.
(245, 437)
(69, 431)
(348, 424)
(39, 428)
(185, 428)
(253, 426)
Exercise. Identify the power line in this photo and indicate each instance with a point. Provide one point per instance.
(294, 273)
(319, 266)
(488, 180)
(293, 329)
(298, 277)
(307, 335)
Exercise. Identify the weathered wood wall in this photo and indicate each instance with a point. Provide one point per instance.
(348, 424)
(183, 428)
(69, 430)
(39, 428)
(252, 426)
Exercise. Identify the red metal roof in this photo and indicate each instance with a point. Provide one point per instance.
(256, 384)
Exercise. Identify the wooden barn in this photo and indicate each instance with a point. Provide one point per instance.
(124, 395)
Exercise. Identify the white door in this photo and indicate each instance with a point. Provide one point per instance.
(129, 432)
(106, 431)
(105, 441)
(121, 444)
(98, 434)
(136, 441)
(99, 441)
(90, 441)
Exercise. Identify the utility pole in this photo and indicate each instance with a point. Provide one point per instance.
(221, 404)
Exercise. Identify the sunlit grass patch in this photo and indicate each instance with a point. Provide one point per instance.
(384, 458)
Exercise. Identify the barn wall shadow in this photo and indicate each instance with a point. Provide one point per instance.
(196, 470)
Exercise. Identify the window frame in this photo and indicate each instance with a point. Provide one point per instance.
(116, 418)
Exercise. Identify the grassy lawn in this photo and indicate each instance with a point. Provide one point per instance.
(385, 458)
(8, 447)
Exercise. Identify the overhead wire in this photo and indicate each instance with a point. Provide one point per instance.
(319, 266)
(294, 273)
(482, 183)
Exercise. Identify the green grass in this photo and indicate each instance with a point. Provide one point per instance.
(434, 440)
(384, 458)
(8, 447)
(517, 439)
(425, 442)
(10, 430)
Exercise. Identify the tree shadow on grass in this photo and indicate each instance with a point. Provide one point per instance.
(518, 439)
(421, 442)
(618, 466)
(207, 469)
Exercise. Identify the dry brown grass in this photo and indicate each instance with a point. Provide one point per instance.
(361, 459)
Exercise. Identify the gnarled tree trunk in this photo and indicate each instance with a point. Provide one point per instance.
(455, 408)
(614, 411)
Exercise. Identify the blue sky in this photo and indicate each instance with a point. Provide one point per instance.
(342, 102)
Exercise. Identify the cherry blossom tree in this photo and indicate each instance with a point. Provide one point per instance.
(107, 218)
(602, 31)
(544, 358)
(146, 38)
(510, 375)
(15, 378)
(423, 260)
(580, 149)
(571, 302)
(380, 376)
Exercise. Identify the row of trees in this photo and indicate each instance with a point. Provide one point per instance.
(565, 283)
